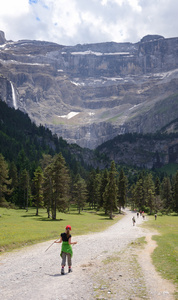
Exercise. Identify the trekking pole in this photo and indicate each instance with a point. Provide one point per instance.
(50, 245)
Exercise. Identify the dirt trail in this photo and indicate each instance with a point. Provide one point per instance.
(157, 286)
(105, 266)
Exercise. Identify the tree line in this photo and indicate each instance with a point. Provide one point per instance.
(53, 186)
(24, 143)
(38, 169)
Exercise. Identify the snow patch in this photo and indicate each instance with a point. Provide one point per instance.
(167, 74)
(91, 114)
(118, 53)
(69, 115)
(21, 63)
(3, 46)
(89, 52)
(134, 106)
(78, 83)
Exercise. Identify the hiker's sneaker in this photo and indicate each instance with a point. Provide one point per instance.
(62, 271)
(70, 270)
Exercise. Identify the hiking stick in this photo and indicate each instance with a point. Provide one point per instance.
(50, 245)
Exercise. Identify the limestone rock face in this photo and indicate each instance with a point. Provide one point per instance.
(91, 93)
(6, 91)
(142, 151)
(2, 38)
(133, 150)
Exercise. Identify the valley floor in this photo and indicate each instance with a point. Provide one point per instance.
(106, 265)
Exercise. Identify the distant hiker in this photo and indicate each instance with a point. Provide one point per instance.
(155, 216)
(133, 220)
(66, 249)
(137, 214)
(143, 215)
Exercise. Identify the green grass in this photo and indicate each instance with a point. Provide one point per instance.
(115, 118)
(57, 121)
(165, 256)
(19, 228)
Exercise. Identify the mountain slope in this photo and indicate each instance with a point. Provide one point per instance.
(22, 142)
(145, 151)
(91, 93)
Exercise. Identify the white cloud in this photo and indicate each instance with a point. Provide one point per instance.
(11, 8)
(78, 21)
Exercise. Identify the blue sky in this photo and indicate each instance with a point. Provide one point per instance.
(71, 22)
(32, 1)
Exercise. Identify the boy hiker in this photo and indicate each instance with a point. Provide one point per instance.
(66, 249)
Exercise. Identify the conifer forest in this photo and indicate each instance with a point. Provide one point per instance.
(38, 168)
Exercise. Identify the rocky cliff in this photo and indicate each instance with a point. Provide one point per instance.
(144, 151)
(137, 150)
(90, 93)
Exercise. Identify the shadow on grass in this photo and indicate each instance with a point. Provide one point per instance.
(29, 215)
(39, 218)
(73, 213)
(106, 218)
(49, 220)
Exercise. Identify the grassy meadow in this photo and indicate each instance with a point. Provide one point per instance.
(19, 228)
(165, 256)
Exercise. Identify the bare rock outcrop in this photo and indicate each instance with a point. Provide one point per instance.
(2, 38)
(89, 94)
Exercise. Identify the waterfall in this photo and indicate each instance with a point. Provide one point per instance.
(13, 96)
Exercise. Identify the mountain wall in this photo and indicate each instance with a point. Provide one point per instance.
(90, 93)
(144, 151)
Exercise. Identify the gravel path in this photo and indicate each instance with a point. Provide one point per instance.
(105, 266)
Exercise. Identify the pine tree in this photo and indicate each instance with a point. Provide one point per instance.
(14, 183)
(13, 175)
(157, 186)
(45, 161)
(91, 188)
(47, 189)
(149, 192)
(132, 196)
(4, 180)
(22, 161)
(158, 201)
(175, 193)
(166, 192)
(110, 194)
(122, 185)
(38, 191)
(79, 192)
(138, 194)
(103, 184)
(97, 189)
(24, 192)
(46, 165)
(60, 185)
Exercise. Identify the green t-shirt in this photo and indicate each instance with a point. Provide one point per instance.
(65, 245)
